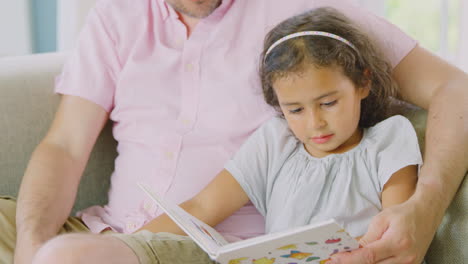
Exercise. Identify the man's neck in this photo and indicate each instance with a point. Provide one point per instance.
(189, 22)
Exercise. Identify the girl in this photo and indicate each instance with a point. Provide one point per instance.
(331, 153)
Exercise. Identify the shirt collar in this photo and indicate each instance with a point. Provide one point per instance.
(166, 10)
(221, 10)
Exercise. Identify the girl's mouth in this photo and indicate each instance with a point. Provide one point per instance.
(322, 139)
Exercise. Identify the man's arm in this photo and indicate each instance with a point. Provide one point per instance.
(433, 84)
(50, 184)
(403, 233)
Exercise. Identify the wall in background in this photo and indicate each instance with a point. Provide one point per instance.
(28, 26)
(15, 27)
(44, 25)
(71, 17)
(463, 46)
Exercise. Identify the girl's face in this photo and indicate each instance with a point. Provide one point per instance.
(322, 107)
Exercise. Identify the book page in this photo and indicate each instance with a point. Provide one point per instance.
(308, 244)
(204, 235)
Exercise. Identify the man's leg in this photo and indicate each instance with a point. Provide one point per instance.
(165, 248)
(8, 228)
(85, 248)
(143, 247)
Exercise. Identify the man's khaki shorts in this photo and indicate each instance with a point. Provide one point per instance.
(160, 248)
(165, 248)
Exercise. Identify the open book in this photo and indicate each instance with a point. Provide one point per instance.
(308, 244)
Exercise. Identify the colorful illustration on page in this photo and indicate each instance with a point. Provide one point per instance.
(315, 251)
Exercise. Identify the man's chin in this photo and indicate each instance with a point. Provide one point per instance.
(195, 9)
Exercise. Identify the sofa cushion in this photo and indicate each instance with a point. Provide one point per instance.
(27, 107)
(449, 244)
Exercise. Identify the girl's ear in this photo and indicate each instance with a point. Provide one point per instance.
(365, 90)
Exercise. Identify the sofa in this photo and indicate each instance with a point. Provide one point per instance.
(27, 106)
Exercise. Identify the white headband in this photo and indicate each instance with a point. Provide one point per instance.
(309, 33)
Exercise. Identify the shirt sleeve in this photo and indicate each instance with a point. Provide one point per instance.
(255, 165)
(390, 40)
(90, 71)
(397, 147)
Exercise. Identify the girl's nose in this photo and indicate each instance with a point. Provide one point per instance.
(316, 120)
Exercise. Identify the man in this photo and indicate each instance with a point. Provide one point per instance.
(178, 78)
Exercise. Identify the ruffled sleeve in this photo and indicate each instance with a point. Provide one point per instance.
(396, 147)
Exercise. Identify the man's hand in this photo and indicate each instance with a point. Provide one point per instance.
(399, 234)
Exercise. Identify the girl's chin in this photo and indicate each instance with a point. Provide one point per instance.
(319, 152)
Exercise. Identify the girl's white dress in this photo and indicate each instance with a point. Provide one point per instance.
(292, 188)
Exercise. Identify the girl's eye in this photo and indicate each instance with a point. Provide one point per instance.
(332, 103)
(296, 111)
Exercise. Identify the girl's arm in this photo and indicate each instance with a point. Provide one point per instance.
(400, 186)
(220, 199)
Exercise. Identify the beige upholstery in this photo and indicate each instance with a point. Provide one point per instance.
(27, 105)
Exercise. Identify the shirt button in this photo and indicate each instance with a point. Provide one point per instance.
(169, 154)
(131, 226)
(147, 206)
(179, 42)
(186, 121)
(189, 67)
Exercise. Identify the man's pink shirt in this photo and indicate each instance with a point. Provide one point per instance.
(182, 106)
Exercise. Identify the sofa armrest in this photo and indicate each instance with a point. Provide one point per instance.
(27, 107)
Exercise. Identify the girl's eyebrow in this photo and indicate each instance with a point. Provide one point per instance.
(315, 99)
(325, 95)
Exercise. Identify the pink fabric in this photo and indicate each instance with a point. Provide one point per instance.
(182, 106)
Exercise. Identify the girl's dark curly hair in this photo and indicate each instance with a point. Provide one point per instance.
(364, 67)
